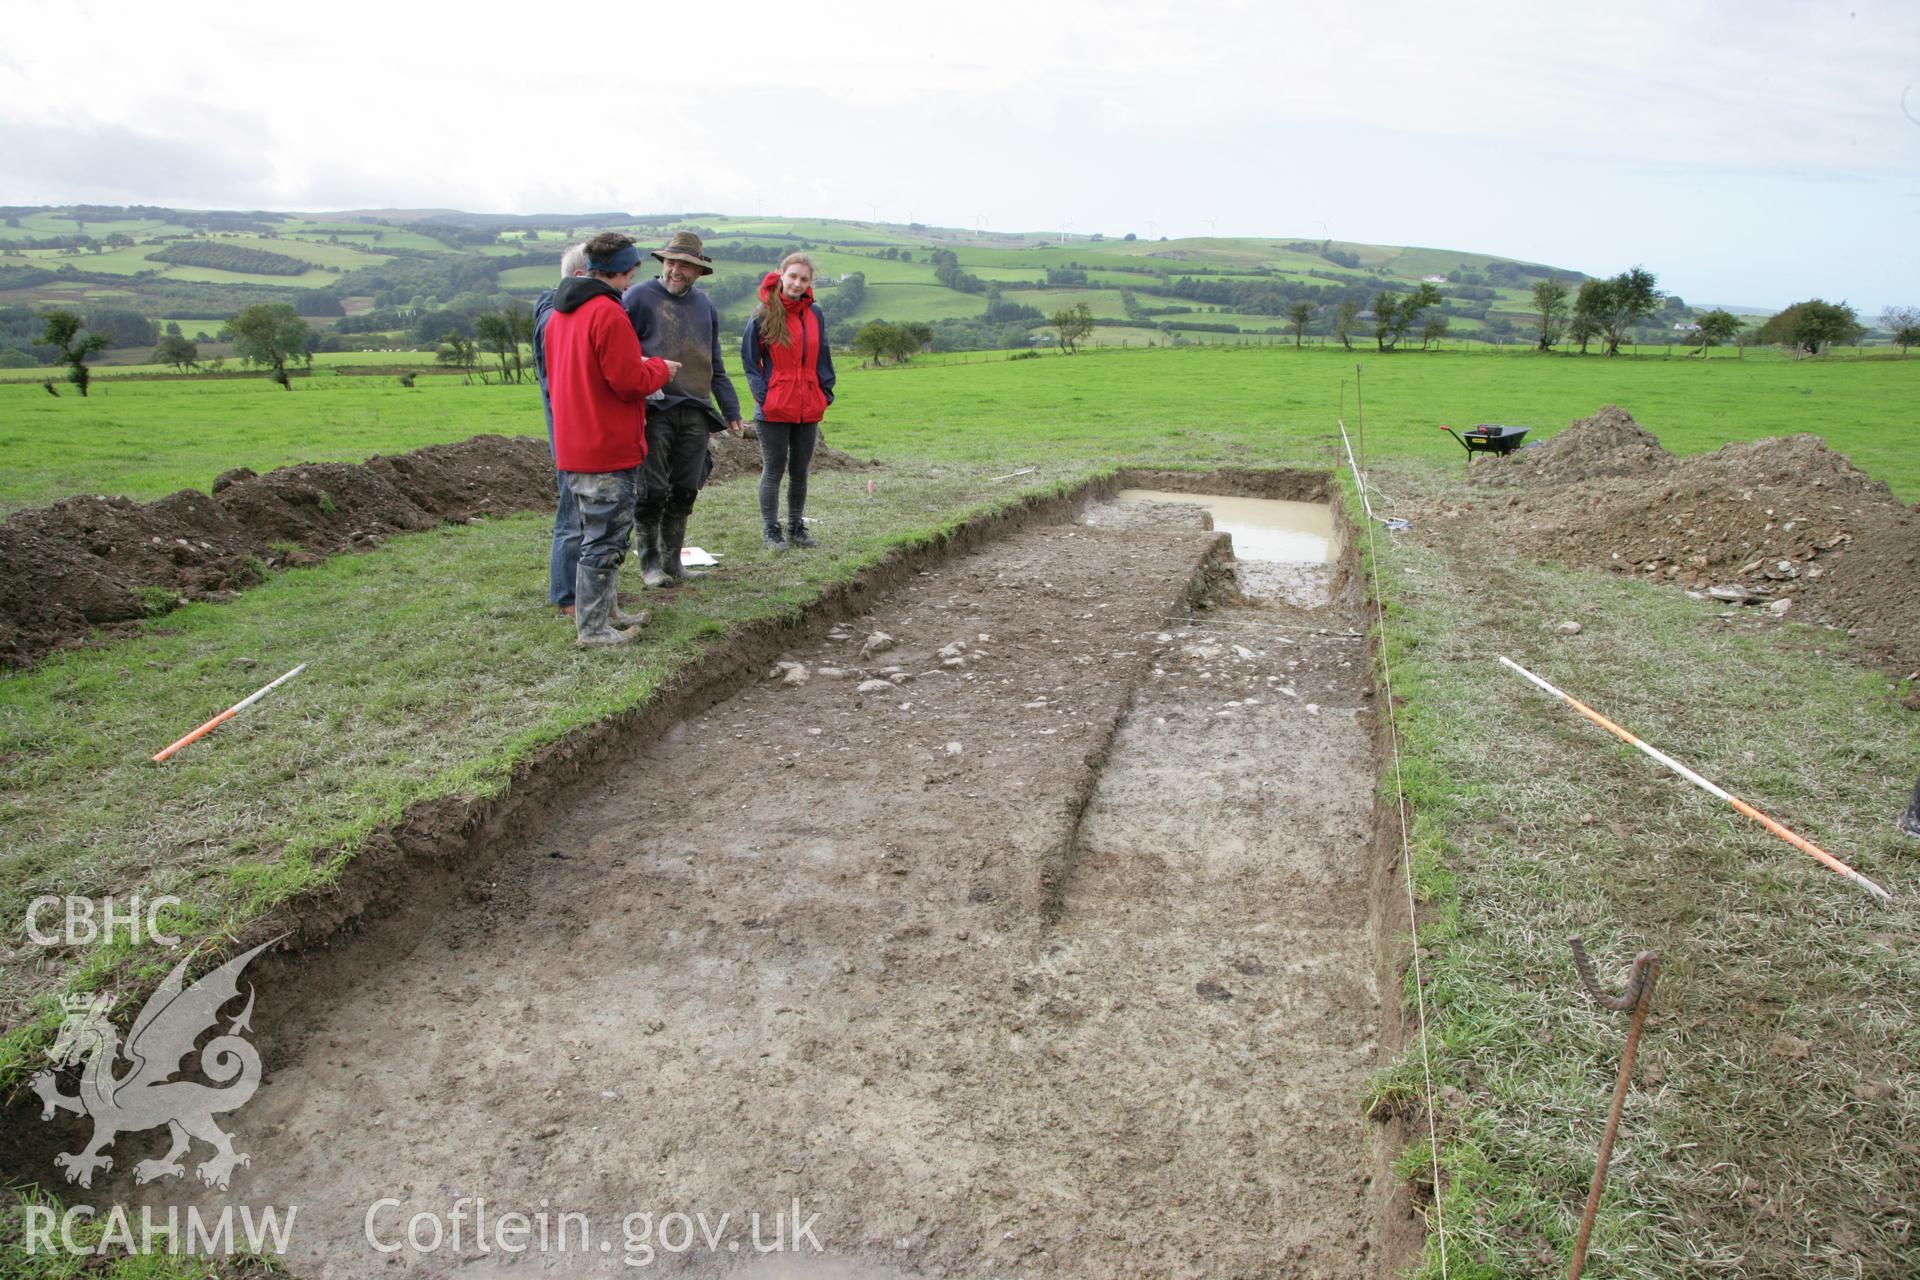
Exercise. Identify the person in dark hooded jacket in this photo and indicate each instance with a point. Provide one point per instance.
(599, 380)
(790, 371)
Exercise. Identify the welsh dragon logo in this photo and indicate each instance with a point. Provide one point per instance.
(145, 1096)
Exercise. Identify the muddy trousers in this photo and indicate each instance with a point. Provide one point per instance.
(603, 501)
(676, 467)
(785, 447)
(676, 464)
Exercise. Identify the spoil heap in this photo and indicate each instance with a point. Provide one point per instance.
(1759, 521)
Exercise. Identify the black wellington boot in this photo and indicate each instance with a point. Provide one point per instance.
(651, 572)
(673, 535)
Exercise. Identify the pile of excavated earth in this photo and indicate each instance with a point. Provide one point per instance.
(1787, 524)
(105, 562)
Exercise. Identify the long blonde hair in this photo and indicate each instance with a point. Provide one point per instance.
(773, 319)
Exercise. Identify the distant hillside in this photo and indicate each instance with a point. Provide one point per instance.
(412, 277)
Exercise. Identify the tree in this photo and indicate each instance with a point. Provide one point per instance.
(876, 340)
(1343, 318)
(1903, 325)
(1073, 324)
(272, 334)
(68, 336)
(1550, 300)
(459, 353)
(175, 350)
(1620, 303)
(1812, 326)
(910, 339)
(1300, 315)
(1434, 329)
(1588, 304)
(502, 332)
(1395, 313)
(1718, 326)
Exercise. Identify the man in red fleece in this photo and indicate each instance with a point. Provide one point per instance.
(599, 381)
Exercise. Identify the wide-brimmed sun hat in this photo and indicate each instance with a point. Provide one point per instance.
(686, 247)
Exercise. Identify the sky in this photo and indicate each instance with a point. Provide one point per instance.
(1751, 153)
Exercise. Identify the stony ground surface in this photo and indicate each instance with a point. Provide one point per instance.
(909, 936)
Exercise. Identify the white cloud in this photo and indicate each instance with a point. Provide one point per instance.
(1496, 126)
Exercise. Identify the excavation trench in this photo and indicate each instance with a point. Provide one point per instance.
(1044, 940)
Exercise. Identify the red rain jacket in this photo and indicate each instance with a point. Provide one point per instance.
(787, 381)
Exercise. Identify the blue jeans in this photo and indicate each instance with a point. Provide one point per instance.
(566, 545)
(603, 500)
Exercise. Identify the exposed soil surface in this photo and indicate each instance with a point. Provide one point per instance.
(1610, 443)
(105, 562)
(740, 456)
(1785, 523)
(1020, 928)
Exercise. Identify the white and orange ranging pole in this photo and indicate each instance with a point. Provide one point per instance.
(1740, 806)
(228, 714)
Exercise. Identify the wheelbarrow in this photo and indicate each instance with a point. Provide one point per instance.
(1488, 437)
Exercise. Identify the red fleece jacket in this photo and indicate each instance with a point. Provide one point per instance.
(793, 382)
(598, 380)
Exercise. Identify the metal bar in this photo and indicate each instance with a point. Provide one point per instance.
(1638, 995)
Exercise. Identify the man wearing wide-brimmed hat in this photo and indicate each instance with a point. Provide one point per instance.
(678, 322)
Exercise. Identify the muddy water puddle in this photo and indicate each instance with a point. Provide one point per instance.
(1269, 529)
(1284, 552)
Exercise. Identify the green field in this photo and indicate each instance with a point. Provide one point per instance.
(927, 302)
(404, 704)
(1103, 303)
(158, 436)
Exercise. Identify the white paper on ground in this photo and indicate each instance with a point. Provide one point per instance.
(696, 557)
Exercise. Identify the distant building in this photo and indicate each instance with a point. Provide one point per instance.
(1433, 279)
(1685, 326)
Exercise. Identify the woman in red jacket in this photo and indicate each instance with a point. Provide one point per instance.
(790, 370)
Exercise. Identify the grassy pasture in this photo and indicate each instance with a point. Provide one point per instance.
(1103, 303)
(829, 263)
(148, 439)
(158, 436)
(522, 278)
(133, 262)
(400, 706)
(345, 255)
(929, 302)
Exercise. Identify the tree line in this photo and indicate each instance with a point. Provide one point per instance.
(230, 257)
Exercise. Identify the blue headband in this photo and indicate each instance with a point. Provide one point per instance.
(625, 260)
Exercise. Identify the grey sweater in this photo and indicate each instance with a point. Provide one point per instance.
(688, 330)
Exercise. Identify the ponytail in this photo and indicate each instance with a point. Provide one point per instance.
(772, 312)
